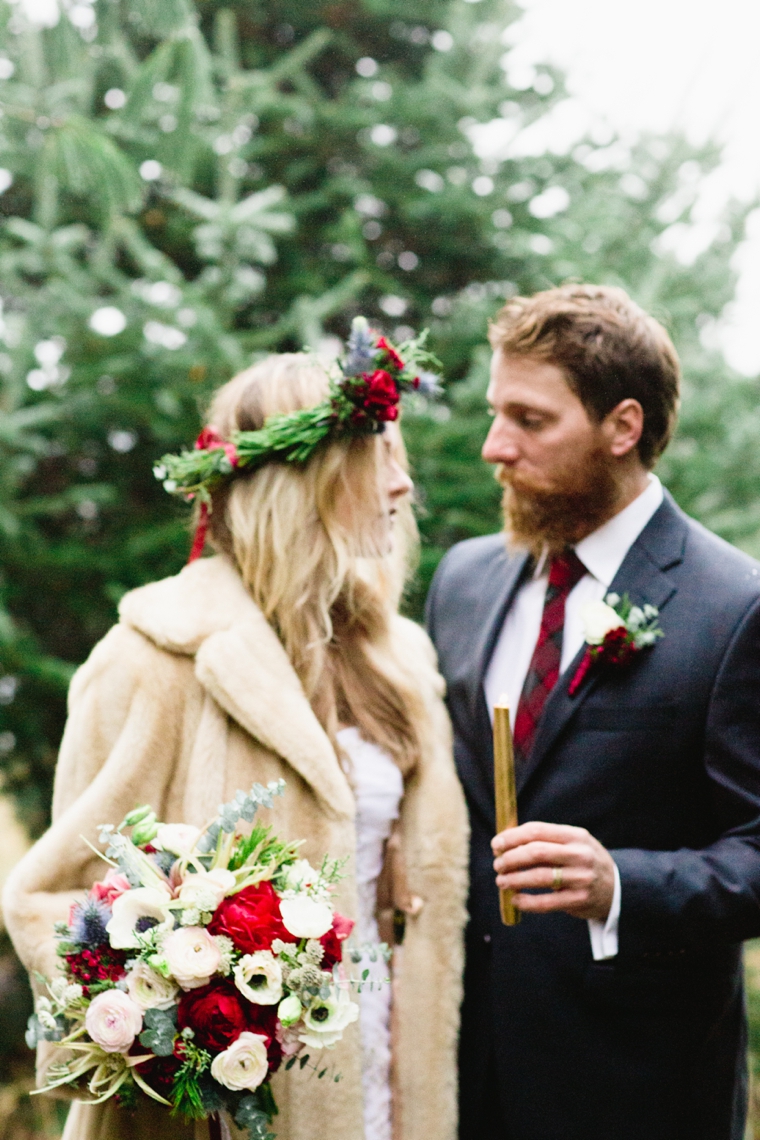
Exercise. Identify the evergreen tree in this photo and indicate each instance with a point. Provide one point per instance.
(189, 185)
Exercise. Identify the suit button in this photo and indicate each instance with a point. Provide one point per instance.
(486, 937)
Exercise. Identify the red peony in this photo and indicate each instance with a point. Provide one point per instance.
(251, 918)
(381, 396)
(159, 1072)
(218, 1013)
(331, 942)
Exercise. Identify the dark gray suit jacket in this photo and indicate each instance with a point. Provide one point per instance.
(660, 760)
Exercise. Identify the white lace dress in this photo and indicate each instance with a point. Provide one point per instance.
(378, 787)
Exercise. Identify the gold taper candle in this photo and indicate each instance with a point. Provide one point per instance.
(505, 792)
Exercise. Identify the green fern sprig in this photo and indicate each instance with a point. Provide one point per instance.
(187, 1097)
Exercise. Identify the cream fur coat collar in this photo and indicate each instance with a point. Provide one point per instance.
(189, 698)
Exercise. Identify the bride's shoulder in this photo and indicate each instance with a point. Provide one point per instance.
(161, 626)
(412, 635)
(417, 649)
(179, 613)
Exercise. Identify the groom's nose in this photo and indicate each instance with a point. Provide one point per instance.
(500, 444)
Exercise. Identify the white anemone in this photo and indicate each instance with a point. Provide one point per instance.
(258, 976)
(135, 912)
(325, 1021)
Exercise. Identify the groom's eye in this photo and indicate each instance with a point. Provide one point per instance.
(531, 421)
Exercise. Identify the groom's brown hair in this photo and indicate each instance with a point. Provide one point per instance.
(609, 349)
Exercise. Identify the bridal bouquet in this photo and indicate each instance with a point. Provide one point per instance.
(203, 961)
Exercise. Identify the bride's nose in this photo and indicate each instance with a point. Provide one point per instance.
(399, 482)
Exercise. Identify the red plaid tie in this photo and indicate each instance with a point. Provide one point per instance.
(565, 571)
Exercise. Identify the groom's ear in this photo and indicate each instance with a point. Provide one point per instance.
(622, 427)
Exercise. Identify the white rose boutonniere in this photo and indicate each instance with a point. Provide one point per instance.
(615, 631)
(599, 619)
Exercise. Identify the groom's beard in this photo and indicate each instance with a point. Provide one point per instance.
(548, 521)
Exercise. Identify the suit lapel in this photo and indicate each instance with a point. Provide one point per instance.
(643, 576)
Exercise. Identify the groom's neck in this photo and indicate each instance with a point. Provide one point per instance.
(631, 480)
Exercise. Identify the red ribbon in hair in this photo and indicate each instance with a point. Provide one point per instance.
(199, 541)
(209, 440)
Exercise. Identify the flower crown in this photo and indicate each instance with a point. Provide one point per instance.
(364, 395)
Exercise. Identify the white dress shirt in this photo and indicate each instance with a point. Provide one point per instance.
(602, 553)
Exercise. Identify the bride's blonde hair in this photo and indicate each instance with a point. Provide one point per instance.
(321, 582)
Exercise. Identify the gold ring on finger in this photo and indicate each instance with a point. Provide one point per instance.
(557, 879)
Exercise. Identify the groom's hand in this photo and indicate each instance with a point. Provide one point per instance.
(575, 871)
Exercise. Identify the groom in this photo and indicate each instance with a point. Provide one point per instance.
(614, 1009)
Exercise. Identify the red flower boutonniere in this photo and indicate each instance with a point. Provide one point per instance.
(615, 631)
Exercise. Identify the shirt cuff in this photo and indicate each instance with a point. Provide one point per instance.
(604, 935)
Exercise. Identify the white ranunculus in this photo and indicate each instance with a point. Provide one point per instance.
(325, 1021)
(206, 889)
(192, 956)
(244, 1065)
(300, 875)
(150, 990)
(178, 838)
(258, 976)
(599, 619)
(113, 1021)
(305, 917)
(289, 1010)
(136, 912)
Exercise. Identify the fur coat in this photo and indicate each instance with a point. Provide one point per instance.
(189, 698)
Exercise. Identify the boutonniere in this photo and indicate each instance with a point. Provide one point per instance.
(615, 631)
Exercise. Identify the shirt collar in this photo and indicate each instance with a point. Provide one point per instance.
(602, 552)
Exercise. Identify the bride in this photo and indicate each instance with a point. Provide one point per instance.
(283, 655)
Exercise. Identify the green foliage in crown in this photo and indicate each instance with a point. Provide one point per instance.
(364, 395)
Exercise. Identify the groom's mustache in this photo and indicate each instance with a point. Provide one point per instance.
(541, 520)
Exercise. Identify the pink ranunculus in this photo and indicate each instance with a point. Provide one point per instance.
(113, 1021)
(333, 939)
(111, 887)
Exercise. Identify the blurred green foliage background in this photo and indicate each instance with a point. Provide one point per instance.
(190, 184)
